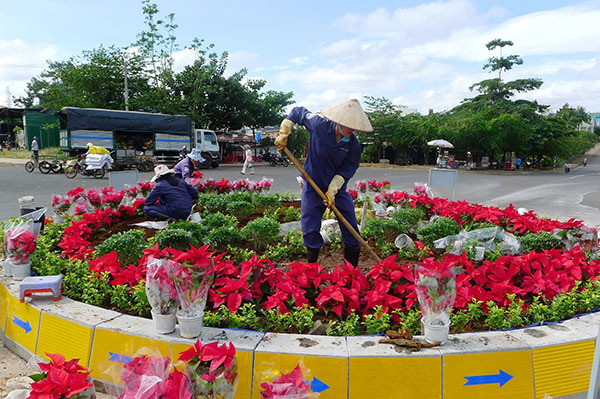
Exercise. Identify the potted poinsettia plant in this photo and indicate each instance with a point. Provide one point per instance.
(148, 377)
(20, 242)
(212, 370)
(161, 294)
(192, 273)
(290, 385)
(61, 379)
(60, 206)
(435, 283)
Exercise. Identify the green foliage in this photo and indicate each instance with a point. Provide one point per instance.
(407, 219)
(261, 232)
(245, 197)
(348, 327)
(291, 245)
(336, 241)
(539, 241)
(381, 230)
(129, 245)
(216, 220)
(239, 254)
(266, 202)
(176, 238)
(496, 319)
(290, 214)
(387, 249)
(223, 236)
(410, 320)
(439, 228)
(212, 203)
(378, 322)
(240, 209)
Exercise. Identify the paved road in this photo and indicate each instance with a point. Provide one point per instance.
(552, 193)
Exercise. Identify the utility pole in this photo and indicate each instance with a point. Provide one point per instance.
(8, 99)
(126, 93)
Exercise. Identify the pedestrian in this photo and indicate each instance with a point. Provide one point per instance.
(186, 166)
(567, 167)
(584, 161)
(469, 160)
(35, 148)
(176, 197)
(518, 162)
(183, 152)
(333, 158)
(247, 160)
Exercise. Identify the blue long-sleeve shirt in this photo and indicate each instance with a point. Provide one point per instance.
(185, 167)
(326, 158)
(177, 199)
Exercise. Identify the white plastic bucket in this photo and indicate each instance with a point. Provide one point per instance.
(7, 267)
(21, 270)
(435, 333)
(26, 202)
(190, 327)
(404, 242)
(164, 323)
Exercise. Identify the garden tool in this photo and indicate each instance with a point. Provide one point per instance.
(332, 206)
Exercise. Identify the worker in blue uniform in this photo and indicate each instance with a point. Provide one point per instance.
(176, 197)
(186, 166)
(333, 157)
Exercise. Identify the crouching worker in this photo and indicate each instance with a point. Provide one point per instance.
(175, 196)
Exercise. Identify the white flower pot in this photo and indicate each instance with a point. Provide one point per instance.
(21, 270)
(7, 267)
(435, 333)
(58, 219)
(190, 327)
(164, 323)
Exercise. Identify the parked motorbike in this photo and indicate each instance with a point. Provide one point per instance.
(279, 160)
(79, 166)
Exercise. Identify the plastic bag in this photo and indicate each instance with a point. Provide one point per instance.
(289, 384)
(436, 292)
(20, 240)
(422, 188)
(160, 288)
(490, 238)
(192, 285)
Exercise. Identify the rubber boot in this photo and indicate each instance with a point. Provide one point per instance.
(313, 254)
(351, 255)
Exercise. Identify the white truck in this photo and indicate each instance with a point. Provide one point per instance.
(206, 141)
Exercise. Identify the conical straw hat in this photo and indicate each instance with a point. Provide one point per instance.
(349, 113)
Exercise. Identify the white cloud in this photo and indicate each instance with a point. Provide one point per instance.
(19, 62)
(241, 59)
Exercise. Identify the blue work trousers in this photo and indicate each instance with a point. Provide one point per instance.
(312, 211)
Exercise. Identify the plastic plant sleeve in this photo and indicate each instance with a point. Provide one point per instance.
(490, 238)
(160, 289)
(20, 240)
(212, 369)
(287, 384)
(192, 288)
(436, 292)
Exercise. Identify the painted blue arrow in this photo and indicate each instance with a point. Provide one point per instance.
(318, 386)
(501, 378)
(23, 324)
(115, 357)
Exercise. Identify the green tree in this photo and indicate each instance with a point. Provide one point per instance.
(93, 80)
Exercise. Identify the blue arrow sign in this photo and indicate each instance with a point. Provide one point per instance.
(501, 378)
(23, 324)
(318, 386)
(115, 357)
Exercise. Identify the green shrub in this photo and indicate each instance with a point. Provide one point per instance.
(197, 230)
(176, 238)
(223, 236)
(264, 202)
(245, 197)
(381, 230)
(129, 245)
(407, 219)
(240, 209)
(378, 322)
(261, 232)
(539, 241)
(290, 214)
(291, 245)
(211, 203)
(439, 228)
(216, 220)
(348, 327)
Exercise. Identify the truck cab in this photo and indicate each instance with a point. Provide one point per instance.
(206, 141)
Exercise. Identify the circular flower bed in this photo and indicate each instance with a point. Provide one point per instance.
(260, 284)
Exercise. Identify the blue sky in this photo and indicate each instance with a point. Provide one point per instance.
(420, 54)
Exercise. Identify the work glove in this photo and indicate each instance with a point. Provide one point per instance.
(284, 131)
(334, 186)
